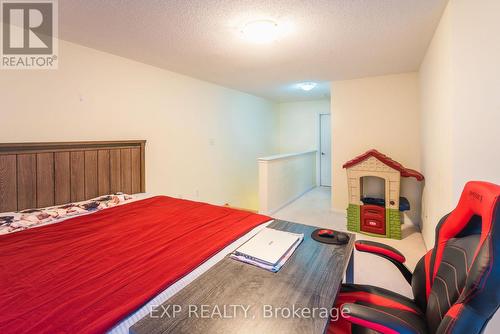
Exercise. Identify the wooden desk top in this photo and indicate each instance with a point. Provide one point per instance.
(233, 297)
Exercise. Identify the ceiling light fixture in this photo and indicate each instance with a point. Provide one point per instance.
(307, 86)
(260, 31)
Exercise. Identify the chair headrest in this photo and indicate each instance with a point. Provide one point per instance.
(478, 198)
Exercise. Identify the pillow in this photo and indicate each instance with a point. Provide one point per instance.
(21, 220)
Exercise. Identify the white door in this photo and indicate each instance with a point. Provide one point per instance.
(325, 150)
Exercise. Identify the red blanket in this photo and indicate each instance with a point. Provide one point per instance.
(85, 274)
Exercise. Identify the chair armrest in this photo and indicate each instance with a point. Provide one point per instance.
(386, 252)
(376, 320)
(380, 249)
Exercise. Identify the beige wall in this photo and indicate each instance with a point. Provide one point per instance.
(203, 139)
(299, 124)
(459, 83)
(381, 113)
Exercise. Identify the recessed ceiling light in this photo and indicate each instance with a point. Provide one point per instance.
(261, 31)
(307, 86)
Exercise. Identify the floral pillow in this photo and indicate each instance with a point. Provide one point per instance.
(22, 220)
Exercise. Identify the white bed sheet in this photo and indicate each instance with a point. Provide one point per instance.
(125, 324)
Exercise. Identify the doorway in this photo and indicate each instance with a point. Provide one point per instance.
(372, 194)
(325, 158)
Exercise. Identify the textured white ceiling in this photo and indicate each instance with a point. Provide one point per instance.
(329, 40)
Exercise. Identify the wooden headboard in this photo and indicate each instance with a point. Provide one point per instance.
(45, 174)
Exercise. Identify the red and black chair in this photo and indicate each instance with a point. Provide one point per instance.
(456, 285)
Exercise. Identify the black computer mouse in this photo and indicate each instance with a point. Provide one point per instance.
(341, 237)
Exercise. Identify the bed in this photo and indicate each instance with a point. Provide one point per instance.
(102, 268)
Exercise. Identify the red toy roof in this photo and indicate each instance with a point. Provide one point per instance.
(405, 172)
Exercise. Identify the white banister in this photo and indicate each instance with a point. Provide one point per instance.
(285, 177)
(286, 155)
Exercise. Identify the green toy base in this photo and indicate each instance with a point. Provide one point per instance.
(392, 222)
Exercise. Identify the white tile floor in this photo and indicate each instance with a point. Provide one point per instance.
(314, 209)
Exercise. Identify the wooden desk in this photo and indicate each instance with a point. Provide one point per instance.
(310, 279)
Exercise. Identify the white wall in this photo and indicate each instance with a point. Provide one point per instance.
(460, 81)
(460, 85)
(476, 97)
(299, 127)
(436, 118)
(284, 178)
(299, 124)
(381, 113)
(203, 139)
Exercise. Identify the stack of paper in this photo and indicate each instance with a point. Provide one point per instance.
(268, 249)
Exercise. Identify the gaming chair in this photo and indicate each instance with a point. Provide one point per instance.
(456, 285)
